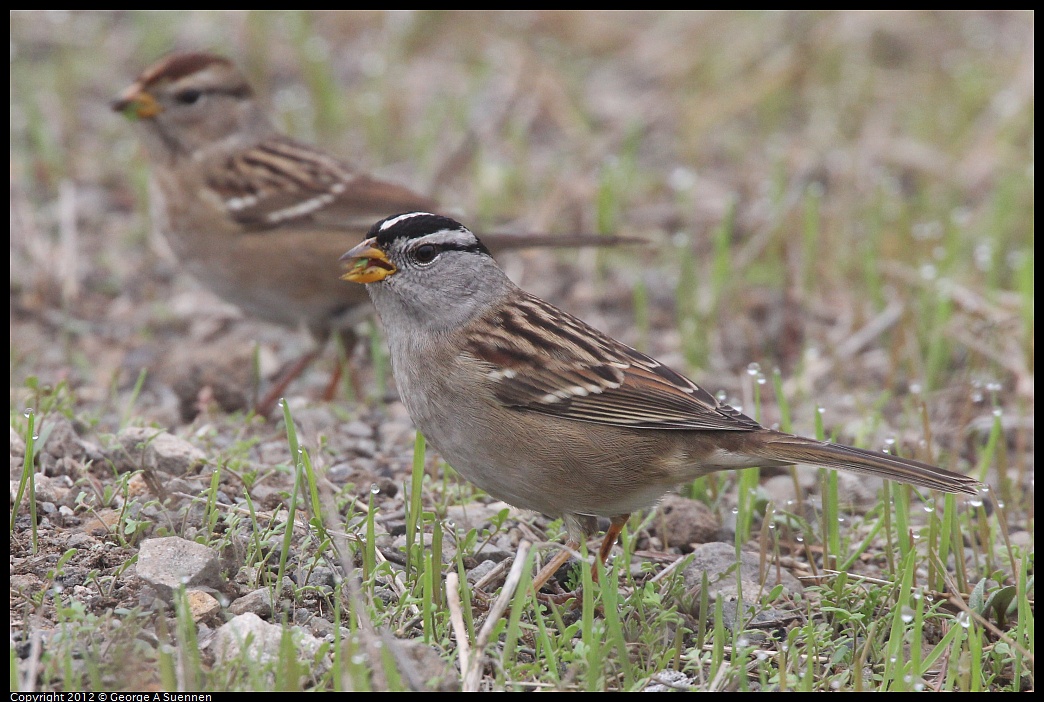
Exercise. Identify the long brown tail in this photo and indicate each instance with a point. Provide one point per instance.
(502, 241)
(796, 449)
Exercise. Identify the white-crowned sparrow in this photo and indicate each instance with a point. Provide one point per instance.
(548, 414)
(257, 217)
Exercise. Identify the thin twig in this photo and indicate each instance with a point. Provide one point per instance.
(870, 331)
(472, 676)
(671, 568)
(457, 619)
(958, 602)
(494, 573)
(32, 664)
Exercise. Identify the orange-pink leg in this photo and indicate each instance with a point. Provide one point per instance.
(267, 403)
(616, 525)
(335, 379)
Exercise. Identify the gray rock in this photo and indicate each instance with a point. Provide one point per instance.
(321, 628)
(1020, 538)
(247, 637)
(669, 681)
(268, 496)
(364, 447)
(51, 489)
(449, 550)
(81, 540)
(320, 576)
(257, 602)
(479, 571)
(360, 430)
(421, 666)
(154, 449)
(779, 489)
(680, 521)
(63, 441)
(718, 561)
(339, 472)
(474, 515)
(17, 445)
(169, 562)
(858, 492)
(260, 601)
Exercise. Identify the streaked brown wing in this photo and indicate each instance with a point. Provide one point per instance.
(280, 182)
(542, 360)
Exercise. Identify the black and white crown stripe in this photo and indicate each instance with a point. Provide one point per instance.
(397, 219)
(420, 228)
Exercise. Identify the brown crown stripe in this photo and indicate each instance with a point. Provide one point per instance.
(178, 66)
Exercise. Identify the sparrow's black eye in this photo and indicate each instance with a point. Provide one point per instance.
(426, 253)
(188, 97)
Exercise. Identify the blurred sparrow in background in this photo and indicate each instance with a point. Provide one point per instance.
(259, 218)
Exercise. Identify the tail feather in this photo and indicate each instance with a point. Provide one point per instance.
(499, 241)
(794, 449)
